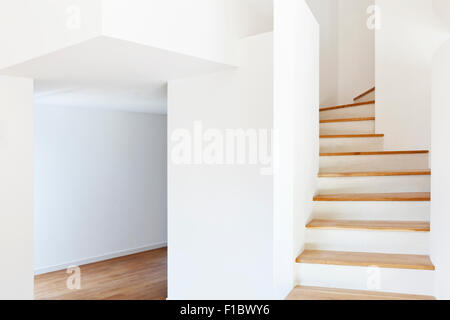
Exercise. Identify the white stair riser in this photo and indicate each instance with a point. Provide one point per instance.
(368, 241)
(380, 162)
(353, 112)
(351, 144)
(365, 210)
(367, 97)
(351, 127)
(366, 278)
(374, 184)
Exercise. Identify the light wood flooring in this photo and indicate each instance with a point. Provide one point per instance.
(141, 276)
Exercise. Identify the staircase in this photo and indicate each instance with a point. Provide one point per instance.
(369, 232)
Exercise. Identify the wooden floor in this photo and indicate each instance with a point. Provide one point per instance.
(141, 276)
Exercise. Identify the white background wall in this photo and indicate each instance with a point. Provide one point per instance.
(250, 17)
(442, 9)
(326, 14)
(356, 50)
(347, 53)
(16, 188)
(220, 216)
(296, 119)
(100, 185)
(410, 35)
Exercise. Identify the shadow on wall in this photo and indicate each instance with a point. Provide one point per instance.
(442, 9)
(440, 180)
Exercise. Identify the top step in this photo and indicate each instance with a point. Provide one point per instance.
(366, 94)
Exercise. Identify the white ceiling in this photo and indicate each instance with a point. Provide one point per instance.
(109, 73)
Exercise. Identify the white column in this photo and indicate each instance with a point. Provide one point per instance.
(16, 188)
(440, 179)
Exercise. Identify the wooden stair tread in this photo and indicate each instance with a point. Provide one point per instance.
(374, 153)
(375, 173)
(402, 226)
(348, 120)
(352, 105)
(366, 259)
(408, 196)
(364, 94)
(342, 136)
(318, 293)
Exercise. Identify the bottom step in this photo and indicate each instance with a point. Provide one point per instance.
(405, 281)
(317, 293)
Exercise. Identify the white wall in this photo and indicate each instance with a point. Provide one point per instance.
(440, 180)
(326, 13)
(296, 120)
(16, 188)
(29, 29)
(409, 36)
(356, 50)
(347, 53)
(250, 17)
(442, 9)
(100, 185)
(221, 216)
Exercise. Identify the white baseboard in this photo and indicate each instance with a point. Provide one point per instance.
(104, 257)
